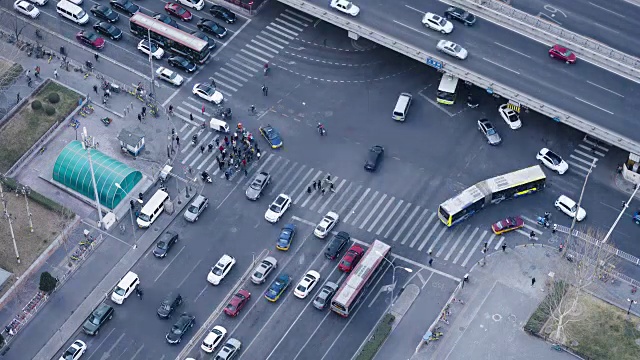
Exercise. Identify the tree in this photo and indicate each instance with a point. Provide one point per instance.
(16, 25)
(583, 262)
(47, 282)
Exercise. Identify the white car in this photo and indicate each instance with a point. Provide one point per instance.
(213, 339)
(26, 8)
(453, 49)
(263, 270)
(155, 50)
(326, 224)
(308, 282)
(510, 116)
(77, 2)
(169, 76)
(40, 2)
(193, 4)
(221, 269)
(345, 6)
(552, 160)
(208, 93)
(570, 208)
(74, 351)
(437, 23)
(277, 208)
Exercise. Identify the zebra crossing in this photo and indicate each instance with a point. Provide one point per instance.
(582, 157)
(260, 50)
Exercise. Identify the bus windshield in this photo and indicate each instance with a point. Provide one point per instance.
(447, 90)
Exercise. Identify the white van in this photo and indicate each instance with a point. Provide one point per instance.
(72, 12)
(125, 287)
(402, 107)
(152, 209)
(219, 125)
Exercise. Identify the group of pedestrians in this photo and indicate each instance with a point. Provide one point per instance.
(237, 151)
(321, 185)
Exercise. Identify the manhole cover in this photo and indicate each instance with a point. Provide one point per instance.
(496, 317)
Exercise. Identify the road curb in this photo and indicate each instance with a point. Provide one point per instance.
(403, 303)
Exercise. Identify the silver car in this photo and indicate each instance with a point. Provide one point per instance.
(489, 132)
(257, 186)
(263, 270)
(229, 350)
(196, 208)
(323, 298)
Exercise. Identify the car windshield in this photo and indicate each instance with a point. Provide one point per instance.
(456, 48)
(346, 263)
(256, 184)
(95, 320)
(440, 21)
(347, 6)
(301, 288)
(193, 209)
(120, 291)
(180, 11)
(207, 89)
(231, 307)
(69, 353)
(272, 292)
(144, 217)
(491, 131)
(555, 159)
(176, 330)
(110, 28)
(513, 117)
(275, 208)
(257, 274)
(162, 245)
(567, 53)
(107, 11)
(91, 37)
(217, 270)
(321, 227)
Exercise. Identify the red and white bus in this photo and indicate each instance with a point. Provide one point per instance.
(353, 288)
(170, 38)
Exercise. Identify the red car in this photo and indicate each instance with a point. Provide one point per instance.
(90, 38)
(509, 224)
(562, 53)
(351, 258)
(178, 11)
(237, 302)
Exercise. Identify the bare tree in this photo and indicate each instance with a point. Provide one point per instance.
(582, 263)
(16, 25)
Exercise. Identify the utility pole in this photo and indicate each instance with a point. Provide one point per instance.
(573, 222)
(626, 206)
(89, 143)
(132, 207)
(25, 190)
(153, 79)
(8, 216)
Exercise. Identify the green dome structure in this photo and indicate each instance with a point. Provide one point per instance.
(72, 170)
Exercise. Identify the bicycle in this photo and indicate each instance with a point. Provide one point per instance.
(252, 110)
(42, 149)
(86, 75)
(99, 77)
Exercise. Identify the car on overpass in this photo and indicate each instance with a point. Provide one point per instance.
(562, 53)
(461, 15)
(345, 6)
(437, 23)
(453, 49)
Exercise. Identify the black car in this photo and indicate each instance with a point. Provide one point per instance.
(184, 323)
(105, 13)
(166, 19)
(373, 158)
(164, 244)
(126, 6)
(182, 63)
(336, 245)
(108, 30)
(205, 37)
(454, 13)
(223, 13)
(168, 305)
(97, 318)
(212, 27)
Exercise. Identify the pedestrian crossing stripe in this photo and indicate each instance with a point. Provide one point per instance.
(513, 105)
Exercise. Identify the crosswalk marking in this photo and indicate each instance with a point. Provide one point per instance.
(264, 46)
(384, 224)
(346, 203)
(455, 244)
(361, 213)
(219, 76)
(235, 68)
(333, 194)
(448, 239)
(274, 37)
(270, 56)
(415, 225)
(305, 180)
(474, 248)
(498, 243)
(591, 150)
(280, 33)
(283, 29)
(353, 209)
(263, 60)
(250, 61)
(240, 63)
(384, 210)
(435, 242)
(588, 163)
(297, 14)
(395, 223)
(294, 20)
(289, 24)
(304, 188)
(373, 211)
(231, 73)
(269, 42)
(469, 239)
(285, 189)
(318, 198)
(422, 230)
(426, 239)
(407, 223)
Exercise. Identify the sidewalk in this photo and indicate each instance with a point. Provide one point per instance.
(498, 301)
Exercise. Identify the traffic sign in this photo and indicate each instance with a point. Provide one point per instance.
(556, 119)
(434, 63)
(489, 90)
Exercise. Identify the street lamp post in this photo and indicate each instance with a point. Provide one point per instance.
(393, 276)
(631, 302)
(575, 218)
(88, 143)
(133, 226)
(25, 191)
(624, 208)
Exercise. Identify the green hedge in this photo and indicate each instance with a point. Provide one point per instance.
(543, 312)
(380, 334)
(40, 199)
(10, 75)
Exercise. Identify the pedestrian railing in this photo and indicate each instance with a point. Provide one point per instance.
(632, 259)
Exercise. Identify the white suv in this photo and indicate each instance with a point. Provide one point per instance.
(570, 208)
(277, 208)
(221, 269)
(552, 160)
(437, 23)
(156, 51)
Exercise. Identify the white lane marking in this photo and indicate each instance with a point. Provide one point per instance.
(590, 149)
(384, 224)
(414, 9)
(406, 223)
(283, 29)
(606, 28)
(267, 41)
(263, 60)
(473, 249)
(413, 228)
(515, 51)
(595, 106)
(353, 209)
(502, 66)
(605, 89)
(349, 199)
(410, 28)
(298, 15)
(243, 64)
(498, 243)
(294, 20)
(269, 55)
(583, 160)
(364, 209)
(231, 73)
(444, 229)
(274, 37)
(455, 244)
(189, 274)
(289, 24)
(300, 183)
(422, 230)
(333, 194)
(373, 212)
(381, 213)
(397, 221)
(464, 247)
(607, 10)
(426, 238)
(303, 191)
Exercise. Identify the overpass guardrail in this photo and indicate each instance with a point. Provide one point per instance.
(443, 66)
(549, 33)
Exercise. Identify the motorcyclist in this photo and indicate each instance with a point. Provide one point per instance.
(547, 216)
(194, 139)
(266, 68)
(321, 129)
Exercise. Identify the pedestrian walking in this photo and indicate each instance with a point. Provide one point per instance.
(227, 175)
(244, 162)
(55, 73)
(465, 279)
(201, 149)
(28, 73)
(144, 111)
(221, 166)
(504, 247)
(190, 116)
(189, 169)
(319, 184)
(37, 72)
(28, 81)
(217, 142)
(95, 88)
(532, 235)
(213, 83)
(203, 109)
(308, 189)
(178, 140)
(264, 89)
(331, 187)
(140, 119)
(314, 185)
(96, 57)
(431, 262)
(323, 191)
(18, 97)
(533, 281)
(246, 173)
(555, 227)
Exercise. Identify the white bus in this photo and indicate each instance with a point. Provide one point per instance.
(447, 89)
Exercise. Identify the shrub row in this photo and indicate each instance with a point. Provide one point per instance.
(40, 199)
(10, 75)
(370, 349)
(543, 312)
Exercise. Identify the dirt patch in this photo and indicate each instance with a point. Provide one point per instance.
(46, 227)
(605, 332)
(27, 126)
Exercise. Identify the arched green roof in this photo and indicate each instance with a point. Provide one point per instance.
(73, 171)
